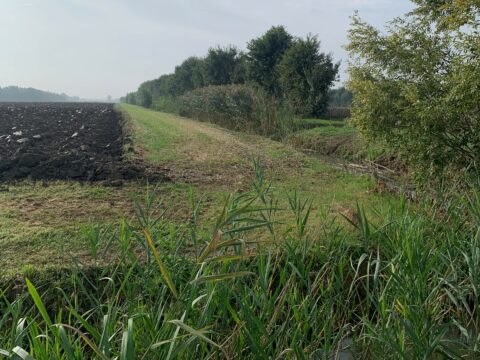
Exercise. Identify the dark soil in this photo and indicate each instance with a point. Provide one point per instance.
(47, 141)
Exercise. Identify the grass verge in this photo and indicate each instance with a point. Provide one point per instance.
(406, 288)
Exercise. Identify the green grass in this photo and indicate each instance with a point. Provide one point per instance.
(339, 139)
(44, 223)
(40, 225)
(290, 258)
(405, 288)
(342, 142)
(155, 131)
(320, 123)
(329, 130)
(224, 153)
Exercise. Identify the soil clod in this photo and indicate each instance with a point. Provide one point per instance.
(80, 141)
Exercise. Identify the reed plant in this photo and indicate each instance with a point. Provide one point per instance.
(249, 285)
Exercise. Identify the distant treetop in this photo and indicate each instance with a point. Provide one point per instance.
(19, 94)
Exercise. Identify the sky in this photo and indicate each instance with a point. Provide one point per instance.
(96, 48)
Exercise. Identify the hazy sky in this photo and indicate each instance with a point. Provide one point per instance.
(95, 48)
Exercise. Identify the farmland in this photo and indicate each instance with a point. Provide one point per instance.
(219, 226)
(62, 141)
(44, 220)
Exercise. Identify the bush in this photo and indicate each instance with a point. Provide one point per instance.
(417, 87)
(238, 107)
(337, 113)
(166, 104)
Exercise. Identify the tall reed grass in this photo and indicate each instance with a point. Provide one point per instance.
(248, 286)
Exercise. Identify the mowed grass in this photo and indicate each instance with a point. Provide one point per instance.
(235, 266)
(161, 144)
(46, 225)
(231, 154)
(204, 147)
(41, 225)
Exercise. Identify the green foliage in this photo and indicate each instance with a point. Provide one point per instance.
(223, 66)
(163, 86)
(338, 113)
(264, 54)
(168, 104)
(340, 97)
(306, 74)
(237, 107)
(451, 14)
(131, 98)
(327, 139)
(417, 87)
(144, 95)
(188, 76)
(293, 71)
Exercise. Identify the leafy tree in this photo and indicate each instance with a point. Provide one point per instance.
(451, 14)
(418, 85)
(188, 76)
(306, 74)
(220, 65)
(131, 98)
(340, 97)
(239, 75)
(163, 86)
(144, 95)
(264, 54)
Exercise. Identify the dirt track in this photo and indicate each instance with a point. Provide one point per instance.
(81, 141)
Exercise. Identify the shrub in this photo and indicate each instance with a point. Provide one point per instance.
(337, 113)
(417, 87)
(166, 104)
(238, 107)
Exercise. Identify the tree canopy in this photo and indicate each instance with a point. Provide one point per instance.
(289, 69)
(264, 55)
(418, 85)
(340, 97)
(221, 65)
(306, 74)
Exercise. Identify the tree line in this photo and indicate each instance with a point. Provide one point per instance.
(291, 69)
(19, 94)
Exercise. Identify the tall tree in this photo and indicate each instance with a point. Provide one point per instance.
(418, 85)
(306, 74)
(220, 65)
(188, 76)
(144, 95)
(340, 97)
(239, 75)
(264, 54)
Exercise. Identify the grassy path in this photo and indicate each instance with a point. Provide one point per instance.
(43, 227)
(204, 155)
